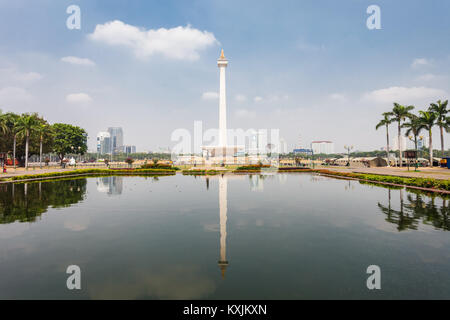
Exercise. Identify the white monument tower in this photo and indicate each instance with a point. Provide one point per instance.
(222, 64)
(222, 152)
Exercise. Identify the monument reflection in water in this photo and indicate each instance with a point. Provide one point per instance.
(223, 185)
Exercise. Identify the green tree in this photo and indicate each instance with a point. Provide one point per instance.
(386, 121)
(25, 126)
(428, 121)
(68, 139)
(400, 113)
(440, 109)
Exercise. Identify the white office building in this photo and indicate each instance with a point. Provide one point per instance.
(322, 147)
(103, 143)
(116, 134)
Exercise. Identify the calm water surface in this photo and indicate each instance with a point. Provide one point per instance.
(286, 236)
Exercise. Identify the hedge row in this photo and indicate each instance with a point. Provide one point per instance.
(158, 166)
(416, 182)
(92, 171)
(294, 169)
(200, 172)
(253, 167)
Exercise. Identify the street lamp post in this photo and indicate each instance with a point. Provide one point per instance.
(415, 146)
(348, 148)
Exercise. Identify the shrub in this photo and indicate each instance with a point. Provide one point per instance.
(252, 167)
(157, 166)
(200, 172)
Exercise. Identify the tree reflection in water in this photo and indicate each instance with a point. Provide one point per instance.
(26, 201)
(419, 208)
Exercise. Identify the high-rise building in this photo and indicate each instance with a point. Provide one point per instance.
(116, 134)
(283, 146)
(103, 143)
(420, 143)
(129, 149)
(322, 147)
(303, 151)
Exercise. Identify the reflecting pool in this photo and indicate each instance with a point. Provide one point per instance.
(281, 236)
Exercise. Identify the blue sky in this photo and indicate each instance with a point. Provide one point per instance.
(310, 68)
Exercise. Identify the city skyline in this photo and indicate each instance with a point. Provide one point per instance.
(112, 142)
(325, 80)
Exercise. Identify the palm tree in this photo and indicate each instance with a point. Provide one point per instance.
(3, 123)
(3, 127)
(25, 126)
(428, 120)
(386, 121)
(399, 114)
(41, 128)
(440, 109)
(14, 131)
(414, 126)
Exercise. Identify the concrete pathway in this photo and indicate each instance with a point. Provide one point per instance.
(433, 173)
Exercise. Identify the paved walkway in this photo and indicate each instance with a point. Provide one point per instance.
(433, 173)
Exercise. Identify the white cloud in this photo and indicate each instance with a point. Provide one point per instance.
(210, 95)
(339, 97)
(78, 61)
(13, 95)
(78, 98)
(28, 77)
(270, 98)
(175, 43)
(427, 77)
(12, 75)
(420, 62)
(241, 98)
(305, 46)
(403, 94)
(244, 113)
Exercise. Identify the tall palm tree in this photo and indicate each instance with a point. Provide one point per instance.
(386, 121)
(440, 109)
(41, 128)
(25, 126)
(399, 114)
(3, 123)
(414, 126)
(428, 120)
(14, 131)
(3, 127)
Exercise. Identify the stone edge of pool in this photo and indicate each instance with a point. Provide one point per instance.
(40, 177)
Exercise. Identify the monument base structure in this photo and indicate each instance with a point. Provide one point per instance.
(223, 155)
